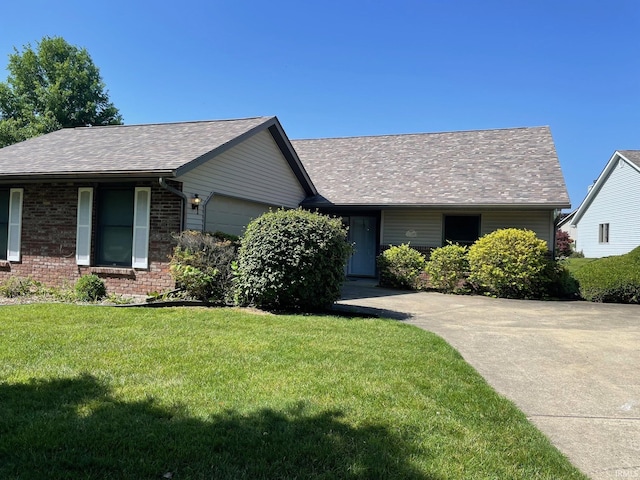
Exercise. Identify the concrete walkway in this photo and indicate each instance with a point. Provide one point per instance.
(572, 367)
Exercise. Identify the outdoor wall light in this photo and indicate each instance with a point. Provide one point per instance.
(195, 202)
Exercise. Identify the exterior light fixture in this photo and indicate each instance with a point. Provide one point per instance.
(195, 202)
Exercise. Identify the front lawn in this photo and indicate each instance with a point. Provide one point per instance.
(102, 392)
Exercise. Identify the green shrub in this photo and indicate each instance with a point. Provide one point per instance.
(448, 268)
(611, 279)
(14, 287)
(292, 260)
(201, 265)
(90, 288)
(510, 263)
(562, 283)
(401, 267)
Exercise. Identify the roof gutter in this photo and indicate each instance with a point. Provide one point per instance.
(180, 194)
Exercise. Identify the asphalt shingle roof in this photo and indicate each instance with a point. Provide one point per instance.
(484, 167)
(632, 156)
(122, 148)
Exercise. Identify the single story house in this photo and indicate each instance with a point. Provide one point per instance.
(607, 222)
(428, 189)
(106, 200)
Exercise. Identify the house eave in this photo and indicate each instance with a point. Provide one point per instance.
(438, 206)
(75, 176)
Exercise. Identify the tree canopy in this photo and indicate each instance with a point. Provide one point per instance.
(53, 86)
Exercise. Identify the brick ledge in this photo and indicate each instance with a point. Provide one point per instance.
(116, 271)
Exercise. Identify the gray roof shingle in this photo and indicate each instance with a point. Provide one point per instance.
(153, 148)
(503, 167)
(632, 156)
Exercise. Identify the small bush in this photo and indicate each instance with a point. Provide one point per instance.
(292, 260)
(201, 266)
(448, 268)
(90, 288)
(564, 244)
(611, 279)
(14, 287)
(401, 267)
(510, 263)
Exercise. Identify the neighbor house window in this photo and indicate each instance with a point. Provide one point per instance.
(603, 233)
(461, 229)
(10, 224)
(121, 226)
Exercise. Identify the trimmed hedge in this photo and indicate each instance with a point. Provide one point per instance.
(448, 268)
(401, 267)
(611, 279)
(511, 263)
(292, 260)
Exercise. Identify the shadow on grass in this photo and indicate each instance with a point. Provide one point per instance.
(75, 428)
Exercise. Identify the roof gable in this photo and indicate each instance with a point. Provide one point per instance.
(486, 167)
(167, 149)
(630, 157)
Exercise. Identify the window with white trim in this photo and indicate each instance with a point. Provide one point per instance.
(10, 223)
(603, 233)
(121, 226)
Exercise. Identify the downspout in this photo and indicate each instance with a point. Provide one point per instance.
(182, 195)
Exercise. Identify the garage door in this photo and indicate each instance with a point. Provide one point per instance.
(231, 215)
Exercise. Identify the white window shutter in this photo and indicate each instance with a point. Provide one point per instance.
(15, 224)
(83, 232)
(141, 210)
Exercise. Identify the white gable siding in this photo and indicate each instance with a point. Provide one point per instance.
(424, 227)
(617, 203)
(253, 170)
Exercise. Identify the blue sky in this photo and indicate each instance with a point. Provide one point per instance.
(366, 67)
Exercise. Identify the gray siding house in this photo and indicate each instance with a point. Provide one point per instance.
(607, 222)
(106, 200)
(428, 189)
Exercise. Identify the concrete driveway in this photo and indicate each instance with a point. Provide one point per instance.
(572, 367)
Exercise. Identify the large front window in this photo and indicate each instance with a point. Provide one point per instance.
(115, 227)
(121, 225)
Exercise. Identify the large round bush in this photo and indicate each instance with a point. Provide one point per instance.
(510, 263)
(292, 260)
(448, 268)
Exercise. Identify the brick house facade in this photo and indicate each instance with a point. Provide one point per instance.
(48, 247)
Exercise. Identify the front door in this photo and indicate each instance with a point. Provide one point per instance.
(362, 233)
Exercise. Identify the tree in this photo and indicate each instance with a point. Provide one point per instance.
(53, 86)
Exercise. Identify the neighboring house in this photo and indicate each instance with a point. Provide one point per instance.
(607, 222)
(565, 225)
(107, 200)
(427, 189)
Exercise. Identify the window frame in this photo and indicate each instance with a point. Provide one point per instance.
(88, 228)
(476, 216)
(13, 252)
(604, 233)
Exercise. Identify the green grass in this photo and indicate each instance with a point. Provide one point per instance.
(575, 264)
(101, 392)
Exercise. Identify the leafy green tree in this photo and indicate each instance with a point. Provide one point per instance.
(52, 86)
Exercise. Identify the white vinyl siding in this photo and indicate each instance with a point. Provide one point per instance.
(254, 170)
(418, 227)
(425, 227)
(84, 224)
(616, 203)
(15, 225)
(141, 211)
(541, 222)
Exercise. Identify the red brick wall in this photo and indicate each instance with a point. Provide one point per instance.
(49, 240)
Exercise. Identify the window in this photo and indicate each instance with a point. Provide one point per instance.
(461, 229)
(10, 224)
(603, 233)
(121, 226)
